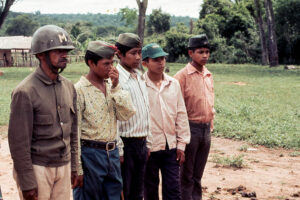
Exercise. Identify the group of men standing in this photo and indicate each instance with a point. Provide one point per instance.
(108, 135)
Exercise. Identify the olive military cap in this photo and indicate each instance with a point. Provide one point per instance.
(101, 48)
(50, 37)
(199, 41)
(152, 50)
(129, 40)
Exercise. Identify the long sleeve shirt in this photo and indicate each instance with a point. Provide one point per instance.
(139, 124)
(169, 121)
(198, 93)
(42, 126)
(98, 114)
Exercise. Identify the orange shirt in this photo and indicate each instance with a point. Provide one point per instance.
(198, 93)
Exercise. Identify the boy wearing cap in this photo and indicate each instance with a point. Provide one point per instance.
(100, 103)
(135, 132)
(169, 126)
(198, 92)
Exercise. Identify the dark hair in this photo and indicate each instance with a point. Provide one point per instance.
(89, 55)
(146, 59)
(122, 48)
(204, 46)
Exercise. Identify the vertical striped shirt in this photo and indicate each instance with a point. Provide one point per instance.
(139, 124)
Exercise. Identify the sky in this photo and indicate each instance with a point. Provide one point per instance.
(174, 7)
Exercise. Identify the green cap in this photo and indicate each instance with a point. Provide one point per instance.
(199, 41)
(152, 50)
(101, 48)
(129, 40)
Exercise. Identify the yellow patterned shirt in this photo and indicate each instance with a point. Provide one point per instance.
(98, 114)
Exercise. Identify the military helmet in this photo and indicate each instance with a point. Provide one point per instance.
(50, 37)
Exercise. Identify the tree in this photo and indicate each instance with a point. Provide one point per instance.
(128, 15)
(159, 22)
(21, 25)
(263, 44)
(142, 17)
(272, 43)
(75, 30)
(4, 9)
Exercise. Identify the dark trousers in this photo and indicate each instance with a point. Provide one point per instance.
(133, 168)
(102, 175)
(196, 154)
(165, 161)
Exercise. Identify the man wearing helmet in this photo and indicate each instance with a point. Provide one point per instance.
(42, 131)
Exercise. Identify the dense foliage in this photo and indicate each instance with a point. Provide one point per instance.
(231, 26)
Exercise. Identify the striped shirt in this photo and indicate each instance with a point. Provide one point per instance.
(139, 124)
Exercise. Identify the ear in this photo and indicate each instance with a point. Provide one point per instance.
(91, 63)
(40, 56)
(144, 63)
(190, 53)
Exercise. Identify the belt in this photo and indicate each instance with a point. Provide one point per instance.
(133, 138)
(201, 125)
(108, 146)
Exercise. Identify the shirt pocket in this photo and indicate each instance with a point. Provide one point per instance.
(43, 120)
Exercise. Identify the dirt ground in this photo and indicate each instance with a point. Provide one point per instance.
(269, 174)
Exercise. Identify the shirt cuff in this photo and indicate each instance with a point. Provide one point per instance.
(27, 180)
(181, 146)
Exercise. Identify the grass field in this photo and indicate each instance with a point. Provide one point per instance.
(253, 103)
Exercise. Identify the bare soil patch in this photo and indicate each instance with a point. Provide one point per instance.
(270, 174)
(236, 83)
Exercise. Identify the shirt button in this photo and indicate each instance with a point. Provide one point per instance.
(61, 123)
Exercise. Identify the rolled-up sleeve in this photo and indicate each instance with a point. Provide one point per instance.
(19, 138)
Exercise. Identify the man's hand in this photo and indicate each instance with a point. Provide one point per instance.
(180, 156)
(78, 182)
(114, 76)
(121, 159)
(148, 154)
(74, 180)
(30, 194)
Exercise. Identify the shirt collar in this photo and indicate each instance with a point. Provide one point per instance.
(124, 73)
(40, 74)
(166, 80)
(191, 69)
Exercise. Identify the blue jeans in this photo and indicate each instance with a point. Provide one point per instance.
(133, 168)
(196, 154)
(102, 175)
(164, 160)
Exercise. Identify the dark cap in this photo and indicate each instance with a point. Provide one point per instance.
(199, 41)
(152, 50)
(129, 40)
(101, 48)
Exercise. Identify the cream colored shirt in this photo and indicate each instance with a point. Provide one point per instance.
(98, 114)
(169, 121)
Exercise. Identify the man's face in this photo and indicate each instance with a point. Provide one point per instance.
(132, 58)
(58, 58)
(103, 67)
(155, 65)
(200, 56)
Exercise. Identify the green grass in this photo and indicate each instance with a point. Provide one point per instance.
(235, 161)
(264, 111)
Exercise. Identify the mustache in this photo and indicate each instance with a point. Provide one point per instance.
(63, 60)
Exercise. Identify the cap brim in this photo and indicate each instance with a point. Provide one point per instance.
(160, 54)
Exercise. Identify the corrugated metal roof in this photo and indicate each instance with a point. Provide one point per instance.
(15, 42)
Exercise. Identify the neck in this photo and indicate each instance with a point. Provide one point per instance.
(94, 79)
(155, 77)
(197, 66)
(47, 71)
(129, 69)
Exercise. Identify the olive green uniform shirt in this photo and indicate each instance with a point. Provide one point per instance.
(42, 126)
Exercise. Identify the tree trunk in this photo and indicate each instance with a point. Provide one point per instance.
(263, 45)
(4, 11)
(142, 18)
(272, 43)
(191, 26)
